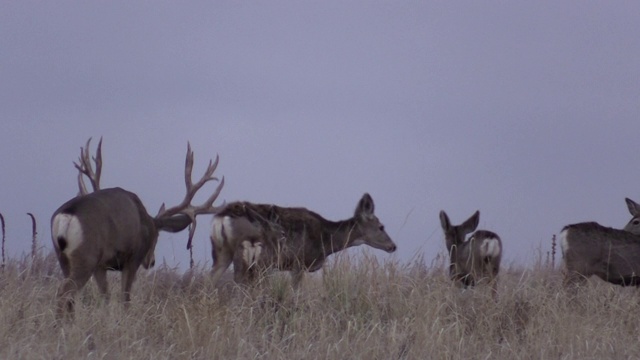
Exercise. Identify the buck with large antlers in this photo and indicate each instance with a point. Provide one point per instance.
(474, 259)
(611, 254)
(257, 237)
(110, 229)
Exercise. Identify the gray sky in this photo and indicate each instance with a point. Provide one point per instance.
(528, 112)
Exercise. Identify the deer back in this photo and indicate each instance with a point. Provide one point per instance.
(287, 236)
(111, 222)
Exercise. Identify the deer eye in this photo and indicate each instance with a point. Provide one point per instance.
(381, 227)
(636, 222)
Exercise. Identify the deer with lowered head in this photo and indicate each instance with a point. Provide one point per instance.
(613, 255)
(110, 229)
(475, 259)
(258, 237)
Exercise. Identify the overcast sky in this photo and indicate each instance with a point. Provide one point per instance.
(526, 111)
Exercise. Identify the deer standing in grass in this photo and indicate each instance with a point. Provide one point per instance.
(110, 229)
(475, 259)
(257, 237)
(592, 249)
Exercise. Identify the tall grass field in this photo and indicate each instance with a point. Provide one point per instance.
(356, 308)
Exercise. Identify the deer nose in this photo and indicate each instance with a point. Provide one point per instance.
(392, 248)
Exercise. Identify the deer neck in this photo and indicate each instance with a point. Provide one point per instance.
(456, 248)
(452, 244)
(339, 235)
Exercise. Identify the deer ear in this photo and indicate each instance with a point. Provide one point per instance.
(634, 208)
(444, 221)
(471, 223)
(365, 206)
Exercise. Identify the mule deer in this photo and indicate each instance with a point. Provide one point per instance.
(475, 259)
(110, 229)
(633, 226)
(256, 237)
(592, 249)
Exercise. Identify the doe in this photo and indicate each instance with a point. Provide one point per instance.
(257, 237)
(613, 255)
(474, 259)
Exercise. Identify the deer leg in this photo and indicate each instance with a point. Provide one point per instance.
(252, 274)
(70, 286)
(223, 258)
(296, 278)
(494, 288)
(128, 276)
(467, 281)
(64, 264)
(100, 276)
(240, 270)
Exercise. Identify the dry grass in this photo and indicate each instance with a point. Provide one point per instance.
(364, 309)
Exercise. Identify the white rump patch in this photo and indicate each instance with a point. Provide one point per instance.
(68, 227)
(564, 242)
(251, 252)
(221, 230)
(490, 247)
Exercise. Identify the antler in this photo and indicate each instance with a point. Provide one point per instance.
(84, 167)
(185, 206)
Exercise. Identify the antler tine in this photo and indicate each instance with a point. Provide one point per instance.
(82, 188)
(208, 205)
(192, 231)
(84, 167)
(188, 168)
(80, 165)
(98, 161)
(206, 208)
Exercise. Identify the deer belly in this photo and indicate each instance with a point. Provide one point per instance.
(620, 271)
(628, 280)
(66, 232)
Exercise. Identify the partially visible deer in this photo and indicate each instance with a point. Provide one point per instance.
(592, 249)
(256, 237)
(475, 259)
(633, 226)
(110, 229)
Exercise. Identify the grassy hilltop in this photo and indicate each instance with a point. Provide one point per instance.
(361, 308)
